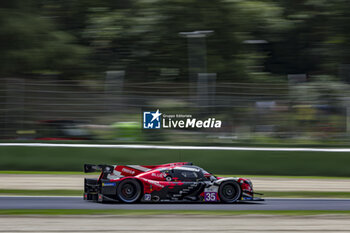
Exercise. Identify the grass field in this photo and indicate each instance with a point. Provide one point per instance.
(333, 164)
(59, 192)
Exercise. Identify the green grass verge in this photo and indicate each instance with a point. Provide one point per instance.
(48, 173)
(334, 164)
(267, 194)
(306, 194)
(286, 177)
(169, 212)
(59, 192)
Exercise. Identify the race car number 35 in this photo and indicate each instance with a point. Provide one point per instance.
(210, 196)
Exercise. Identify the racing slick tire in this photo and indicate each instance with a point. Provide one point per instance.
(129, 191)
(230, 191)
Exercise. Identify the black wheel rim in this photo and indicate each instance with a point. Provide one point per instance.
(229, 191)
(129, 191)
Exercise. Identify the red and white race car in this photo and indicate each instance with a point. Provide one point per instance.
(173, 182)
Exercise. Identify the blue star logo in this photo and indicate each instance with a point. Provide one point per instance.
(151, 120)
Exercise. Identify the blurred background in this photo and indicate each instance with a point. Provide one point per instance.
(275, 72)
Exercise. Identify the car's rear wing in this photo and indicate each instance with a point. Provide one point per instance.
(95, 168)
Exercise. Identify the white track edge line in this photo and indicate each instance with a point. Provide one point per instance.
(176, 147)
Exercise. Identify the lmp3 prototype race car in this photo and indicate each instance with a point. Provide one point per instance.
(173, 182)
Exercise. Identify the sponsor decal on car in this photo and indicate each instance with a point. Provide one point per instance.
(210, 196)
(188, 169)
(158, 175)
(128, 171)
(109, 184)
(156, 183)
(147, 197)
(212, 189)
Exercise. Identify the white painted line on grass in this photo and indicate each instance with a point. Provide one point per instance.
(176, 147)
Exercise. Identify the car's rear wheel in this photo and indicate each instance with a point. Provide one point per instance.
(129, 191)
(230, 191)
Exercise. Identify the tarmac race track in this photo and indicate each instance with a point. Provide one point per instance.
(45, 202)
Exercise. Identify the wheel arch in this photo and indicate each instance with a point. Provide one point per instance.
(226, 179)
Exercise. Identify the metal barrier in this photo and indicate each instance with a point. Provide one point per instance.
(246, 109)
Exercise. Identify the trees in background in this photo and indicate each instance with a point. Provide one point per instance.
(31, 42)
(142, 37)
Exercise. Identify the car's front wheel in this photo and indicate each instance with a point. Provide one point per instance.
(129, 191)
(230, 191)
